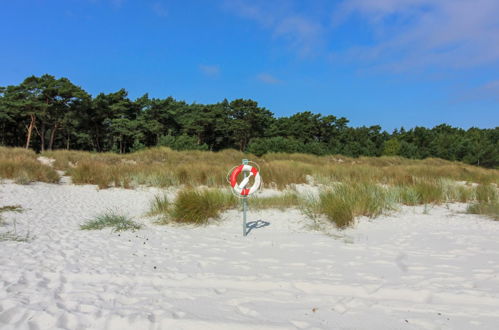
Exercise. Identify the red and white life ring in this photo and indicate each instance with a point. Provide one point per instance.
(241, 188)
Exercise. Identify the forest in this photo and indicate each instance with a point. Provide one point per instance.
(46, 113)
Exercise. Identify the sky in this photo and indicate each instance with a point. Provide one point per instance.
(392, 63)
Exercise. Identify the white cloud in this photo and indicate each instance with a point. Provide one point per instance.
(301, 33)
(420, 34)
(268, 78)
(402, 35)
(210, 70)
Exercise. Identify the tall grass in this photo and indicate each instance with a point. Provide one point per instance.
(193, 206)
(164, 167)
(342, 203)
(198, 206)
(21, 166)
(487, 201)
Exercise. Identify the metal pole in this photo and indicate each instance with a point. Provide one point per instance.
(245, 203)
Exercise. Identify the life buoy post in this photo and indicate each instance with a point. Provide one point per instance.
(240, 189)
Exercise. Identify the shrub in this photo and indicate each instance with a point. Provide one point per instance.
(181, 142)
(261, 146)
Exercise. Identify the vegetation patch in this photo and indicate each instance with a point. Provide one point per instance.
(342, 203)
(113, 220)
(487, 202)
(21, 166)
(197, 206)
(164, 167)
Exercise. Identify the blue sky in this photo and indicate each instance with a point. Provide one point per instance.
(389, 62)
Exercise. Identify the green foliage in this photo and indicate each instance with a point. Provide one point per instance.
(261, 146)
(182, 142)
(49, 113)
(391, 147)
(111, 219)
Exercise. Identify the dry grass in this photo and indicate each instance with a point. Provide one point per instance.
(164, 167)
(21, 166)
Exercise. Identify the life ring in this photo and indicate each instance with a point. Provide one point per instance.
(241, 188)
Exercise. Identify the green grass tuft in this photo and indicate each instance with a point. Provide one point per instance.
(342, 203)
(487, 202)
(195, 206)
(110, 219)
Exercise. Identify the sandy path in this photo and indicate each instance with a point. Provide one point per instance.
(407, 271)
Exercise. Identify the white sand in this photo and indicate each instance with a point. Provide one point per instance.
(407, 271)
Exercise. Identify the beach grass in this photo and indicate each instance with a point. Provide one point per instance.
(193, 206)
(342, 203)
(487, 202)
(20, 165)
(163, 167)
(198, 206)
(117, 222)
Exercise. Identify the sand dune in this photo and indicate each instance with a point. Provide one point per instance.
(415, 269)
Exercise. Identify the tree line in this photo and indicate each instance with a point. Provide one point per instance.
(45, 113)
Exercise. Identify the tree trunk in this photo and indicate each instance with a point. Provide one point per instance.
(67, 141)
(52, 135)
(30, 130)
(42, 137)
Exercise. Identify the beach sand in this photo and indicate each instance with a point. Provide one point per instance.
(419, 268)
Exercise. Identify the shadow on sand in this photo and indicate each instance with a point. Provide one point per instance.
(256, 225)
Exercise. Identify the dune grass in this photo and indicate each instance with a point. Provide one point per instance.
(163, 167)
(342, 203)
(199, 206)
(339, 203)
(20, 165)
(117, 222)
(487, 202)
(193, 206)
